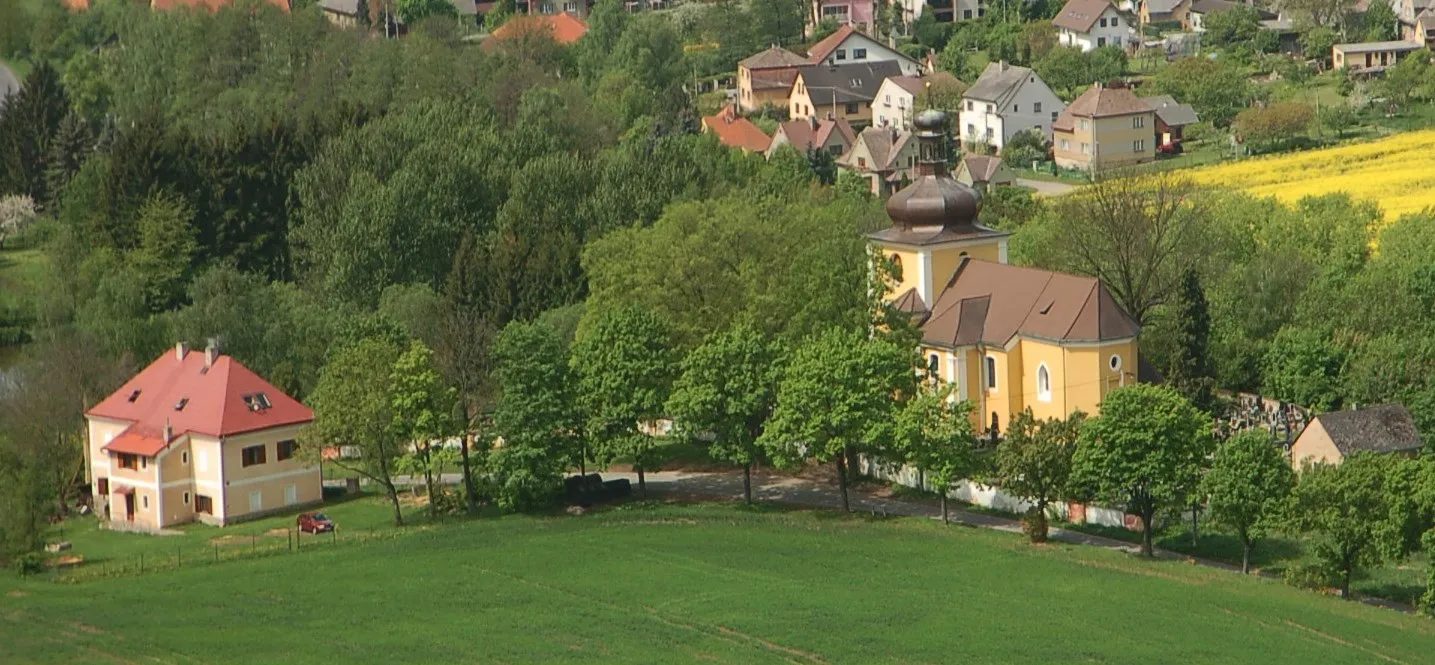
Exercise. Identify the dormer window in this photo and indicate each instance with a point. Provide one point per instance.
(257, 401)
(134, 395)
(179, 406)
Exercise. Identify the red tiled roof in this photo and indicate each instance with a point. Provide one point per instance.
(211, 5)
(736, 131)
(565, 28)
(824, 48)
(216, 401)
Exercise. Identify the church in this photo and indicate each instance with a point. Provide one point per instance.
(1009, 337)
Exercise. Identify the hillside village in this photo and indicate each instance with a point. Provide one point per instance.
(1119, 284)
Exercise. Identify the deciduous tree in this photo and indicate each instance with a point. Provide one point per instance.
(933, 433)
(1144, 452)
(1346, 510)
(1034, 462)
(422, 405)
(1248, 488)
(536, 413)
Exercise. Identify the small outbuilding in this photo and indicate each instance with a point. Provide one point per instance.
(1332, 437)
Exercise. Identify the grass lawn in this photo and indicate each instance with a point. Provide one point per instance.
(712, 583)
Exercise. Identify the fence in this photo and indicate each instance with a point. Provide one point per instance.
(232, 548)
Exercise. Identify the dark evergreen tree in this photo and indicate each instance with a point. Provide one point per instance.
(823, 166)
(362, 10)
(31, 116)
(1191, 369)
(68, 149)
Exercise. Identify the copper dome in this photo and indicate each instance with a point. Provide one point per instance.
(934, 199)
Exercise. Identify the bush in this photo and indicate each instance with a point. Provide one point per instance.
(1317, 576)
(30, 563)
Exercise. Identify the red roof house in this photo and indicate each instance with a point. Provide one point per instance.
(564, 28)
(736, 131)
(197, 435)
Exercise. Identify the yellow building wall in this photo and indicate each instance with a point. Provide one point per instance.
(1314, 446)
(177, 478)
(1034, 353)
(946, 260)
(910, 277)
(269, 478)
(801, 106)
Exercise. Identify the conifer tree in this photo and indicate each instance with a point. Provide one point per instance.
(30, 118)
(67, 150)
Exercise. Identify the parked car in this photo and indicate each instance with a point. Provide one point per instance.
(314, 523)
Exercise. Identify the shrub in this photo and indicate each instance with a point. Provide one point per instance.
(30, 563)
(1315, 575)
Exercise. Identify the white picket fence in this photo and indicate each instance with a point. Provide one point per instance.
(990, 496)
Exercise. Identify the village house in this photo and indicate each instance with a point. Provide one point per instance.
(1009, 338)
(1332, 437)
(848, 45)
(1371, 56)
(882, 155)
(1164, 11)
(1006, 99)
(579, 8)
(1091, 24)
(942, 11)
(765, 79)
(1417, 20)
(983, 171)
(839, 91)
(899, 96)
(846, 13)
(343, 13)
(1172, 118)
(833, 136)
(565, 29)
(197, 436)
(735, 131)
(1104, 128)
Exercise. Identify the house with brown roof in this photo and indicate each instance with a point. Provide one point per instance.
(1009, 338)
(1331, 437)
(846, 13)
(833, 136)
(197, 436)
(839, 91)
(736, 131)
(982, 171)
(1006, 99)
(883, 155)
(849, 45)
(1164, 11)
(1092, 24)
(1104, 128)
(765, 78)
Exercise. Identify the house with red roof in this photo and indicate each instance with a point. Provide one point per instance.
(197, 436)
(736, 131)
(564, 29)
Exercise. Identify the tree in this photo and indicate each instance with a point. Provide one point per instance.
(1248, 487)
(1039, 38)
(1380, 23)
(536, 414)
(1232, 27)
(1063, 68)
(1274, 124)
(1409, 79)
(353, 407)
(1144, 452)
(725, 393)
(1339, 118)
(1328, 13)
(933, 432)
(17, 212)
(1034, 462)
(1303, 366)
(1190, 372)
(423, 411)
(1106, 63)
(165, 257)
(835, 398)
(953, 60)
(1138, 233)
(31, 116)
(1216, 88)
(63, 157)
(776, 22)
(413, 11)
(1346, 511)
(625, 370)
(1316, 44)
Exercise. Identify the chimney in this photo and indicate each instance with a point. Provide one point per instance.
(211, 353)
(168, 431)
(180, 351)
(812, 121)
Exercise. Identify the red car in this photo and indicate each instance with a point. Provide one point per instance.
(314, 523)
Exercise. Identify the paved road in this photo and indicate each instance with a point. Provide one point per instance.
(1045, 187)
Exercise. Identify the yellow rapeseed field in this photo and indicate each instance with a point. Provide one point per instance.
(1397, 172)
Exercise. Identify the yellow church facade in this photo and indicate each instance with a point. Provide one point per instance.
(1009, 337)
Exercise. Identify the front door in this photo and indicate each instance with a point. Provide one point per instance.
(130, 507)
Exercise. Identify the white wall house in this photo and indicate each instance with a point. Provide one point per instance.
(1091, 24)
(958, 10)
(1006, 99)
(848, 46)
(892, 107)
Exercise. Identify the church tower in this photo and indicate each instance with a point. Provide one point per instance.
(934, 223)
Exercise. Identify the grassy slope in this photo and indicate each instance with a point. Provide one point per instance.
(678, 585)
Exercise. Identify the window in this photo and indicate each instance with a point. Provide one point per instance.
(842, 54)
(1036, 107)
(1139, 145)
(102, 486)
(1085, 124)
(1103, 23)
(570, 7)
(991, 108)
(184, 458)
(179, 406)
(969, 105)
(1043, 383)
(1086, 148)
(991, 373)
(887, 101)
(967, 14)
(862, 162)
(1116, 23)
(1115, 363)
(252, 455)
(981, 11)
(203, 504)
(134, 395)
(1053, 116)
(1065, 144)
(285, 450)
(128, 461)
(1100, 41)
(934, 365)
(859, 53)
(144, 501)
(911, 161)
(990, 134)
(971, 129)
(852, 108)
(291, 495)
(186, 498)
(256, 501)
(1138, 122)
(1016, 108)
(144, 462)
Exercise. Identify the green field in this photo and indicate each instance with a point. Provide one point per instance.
(710, 583)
